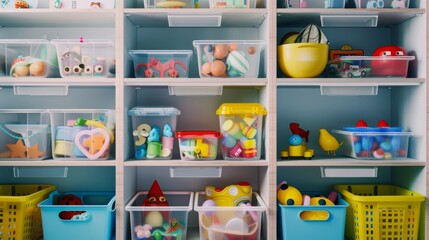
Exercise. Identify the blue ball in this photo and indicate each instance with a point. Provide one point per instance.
(358, 147)
(386, 146)
(396, 143)
(366, 143)
(295, 140)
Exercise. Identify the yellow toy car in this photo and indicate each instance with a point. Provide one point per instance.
(298, 151)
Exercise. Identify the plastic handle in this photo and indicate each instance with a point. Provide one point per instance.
(84, 216)
(314, 215)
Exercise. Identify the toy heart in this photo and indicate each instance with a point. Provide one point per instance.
(95, 144)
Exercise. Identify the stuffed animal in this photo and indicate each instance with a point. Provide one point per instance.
(143, 231)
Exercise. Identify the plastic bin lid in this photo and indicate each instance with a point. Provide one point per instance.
(153, 111)
(24, 41)
(253, 42)
(162, 52)
(241, 108)
(384, 58)
(197, 133)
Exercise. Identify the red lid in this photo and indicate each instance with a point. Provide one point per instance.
(197, 133)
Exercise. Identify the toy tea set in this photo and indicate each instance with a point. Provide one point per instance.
(305, 55)
(84, 138)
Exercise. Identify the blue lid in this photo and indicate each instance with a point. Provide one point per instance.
(153, 111)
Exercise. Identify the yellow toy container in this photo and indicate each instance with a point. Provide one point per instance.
(241, 130)
(381, 212)
(302, 60)
(20, 217)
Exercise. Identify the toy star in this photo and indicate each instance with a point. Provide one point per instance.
(34, 152)
(94, 143)
(17, 150)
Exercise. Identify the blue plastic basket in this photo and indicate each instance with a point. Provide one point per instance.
(332, 228)
(98, 221)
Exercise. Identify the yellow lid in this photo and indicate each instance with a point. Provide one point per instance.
(241, 108)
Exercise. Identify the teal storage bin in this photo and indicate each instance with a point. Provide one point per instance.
(96, 218)
(332, 228)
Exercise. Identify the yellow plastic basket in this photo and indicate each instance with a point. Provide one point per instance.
(20, 217)
(381, 212)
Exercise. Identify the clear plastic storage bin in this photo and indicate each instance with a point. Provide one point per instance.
(241, 129)
(20, 216)
(224, 222)
(316, 3)
(82, 134)
(161, 63)
(24, 134)
(229, 58)
(232, 3)
(375, 145)
(313, 221)
(153, 131)
(198, 145)
(91, 218)
(27, 58)
(382, 3)
(85, 58)
(160, 218)
(168, 3)
(369, 66)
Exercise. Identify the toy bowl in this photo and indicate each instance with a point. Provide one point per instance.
(302, 60)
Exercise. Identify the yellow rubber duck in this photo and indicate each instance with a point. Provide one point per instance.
(328, 142)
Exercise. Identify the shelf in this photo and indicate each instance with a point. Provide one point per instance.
(179, 163)
(51, 162)
(302, 17)
(195, 81)
(158, 18)
(12, 81)
(57, 18)
(350, 81)
(350, 162)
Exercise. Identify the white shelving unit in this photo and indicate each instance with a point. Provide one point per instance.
(400, 101)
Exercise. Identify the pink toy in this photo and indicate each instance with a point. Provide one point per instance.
(94, 144)
(161, 67)
(143, 232)
(294, 127)
(333, 196)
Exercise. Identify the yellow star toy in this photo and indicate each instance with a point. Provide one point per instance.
(17, 150)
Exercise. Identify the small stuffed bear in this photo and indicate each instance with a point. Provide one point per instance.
(143, 232)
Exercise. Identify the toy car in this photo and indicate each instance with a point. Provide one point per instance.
(355, 71)
(299, 151)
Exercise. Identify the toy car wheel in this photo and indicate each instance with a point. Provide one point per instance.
(363, 74)
(349, 75)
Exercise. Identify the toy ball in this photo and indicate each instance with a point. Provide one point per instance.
(232, 72)
(295, 140)
(237, 60)
(218, 68)
(233, 47)
(288, 195)
(20, 71)
(251, 50)
(206, 58)
(389, 67)
(220, 51)
(37, 68)
(70, 199)
(317, 214)
(206, 69)
(321, 201)
(379, 153)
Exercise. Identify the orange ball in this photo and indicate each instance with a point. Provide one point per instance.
(218, 68)
(233, 47)
(251, 50)
(220, 51)
(37, 68)
(206, 69)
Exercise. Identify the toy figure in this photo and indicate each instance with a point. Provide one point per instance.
(375, 4)
(143, 232)
(71, 62)
(155, 196)
(328, 142)
(294, 127)
(288, 195)
(392, 65)
(173, 228)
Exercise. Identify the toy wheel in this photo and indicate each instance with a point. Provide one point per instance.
(349, 75)
(148, 73)
(363, 74)
(173, 73)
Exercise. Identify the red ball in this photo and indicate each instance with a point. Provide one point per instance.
(69, 199)
(389, 67)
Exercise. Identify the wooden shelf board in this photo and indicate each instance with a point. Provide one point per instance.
(295, 17)
(158, 18)
(180, 163)
(350, 81)
(57, 18)
(350, 162)
(195, 81)
(53, 162)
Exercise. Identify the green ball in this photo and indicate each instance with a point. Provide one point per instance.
(232, 72)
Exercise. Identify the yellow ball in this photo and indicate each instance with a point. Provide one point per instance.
(21, 71)
(37, 68)
(154, 218)
(288, 195)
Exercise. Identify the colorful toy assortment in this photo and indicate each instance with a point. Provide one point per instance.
(24, 66)
(198, 145)
(235, 223)
(152, 143)
(297, 147)
(233, 59)
(380, 142)
(161, 63)
(241, 128)
(83, 138)
(229, 3)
